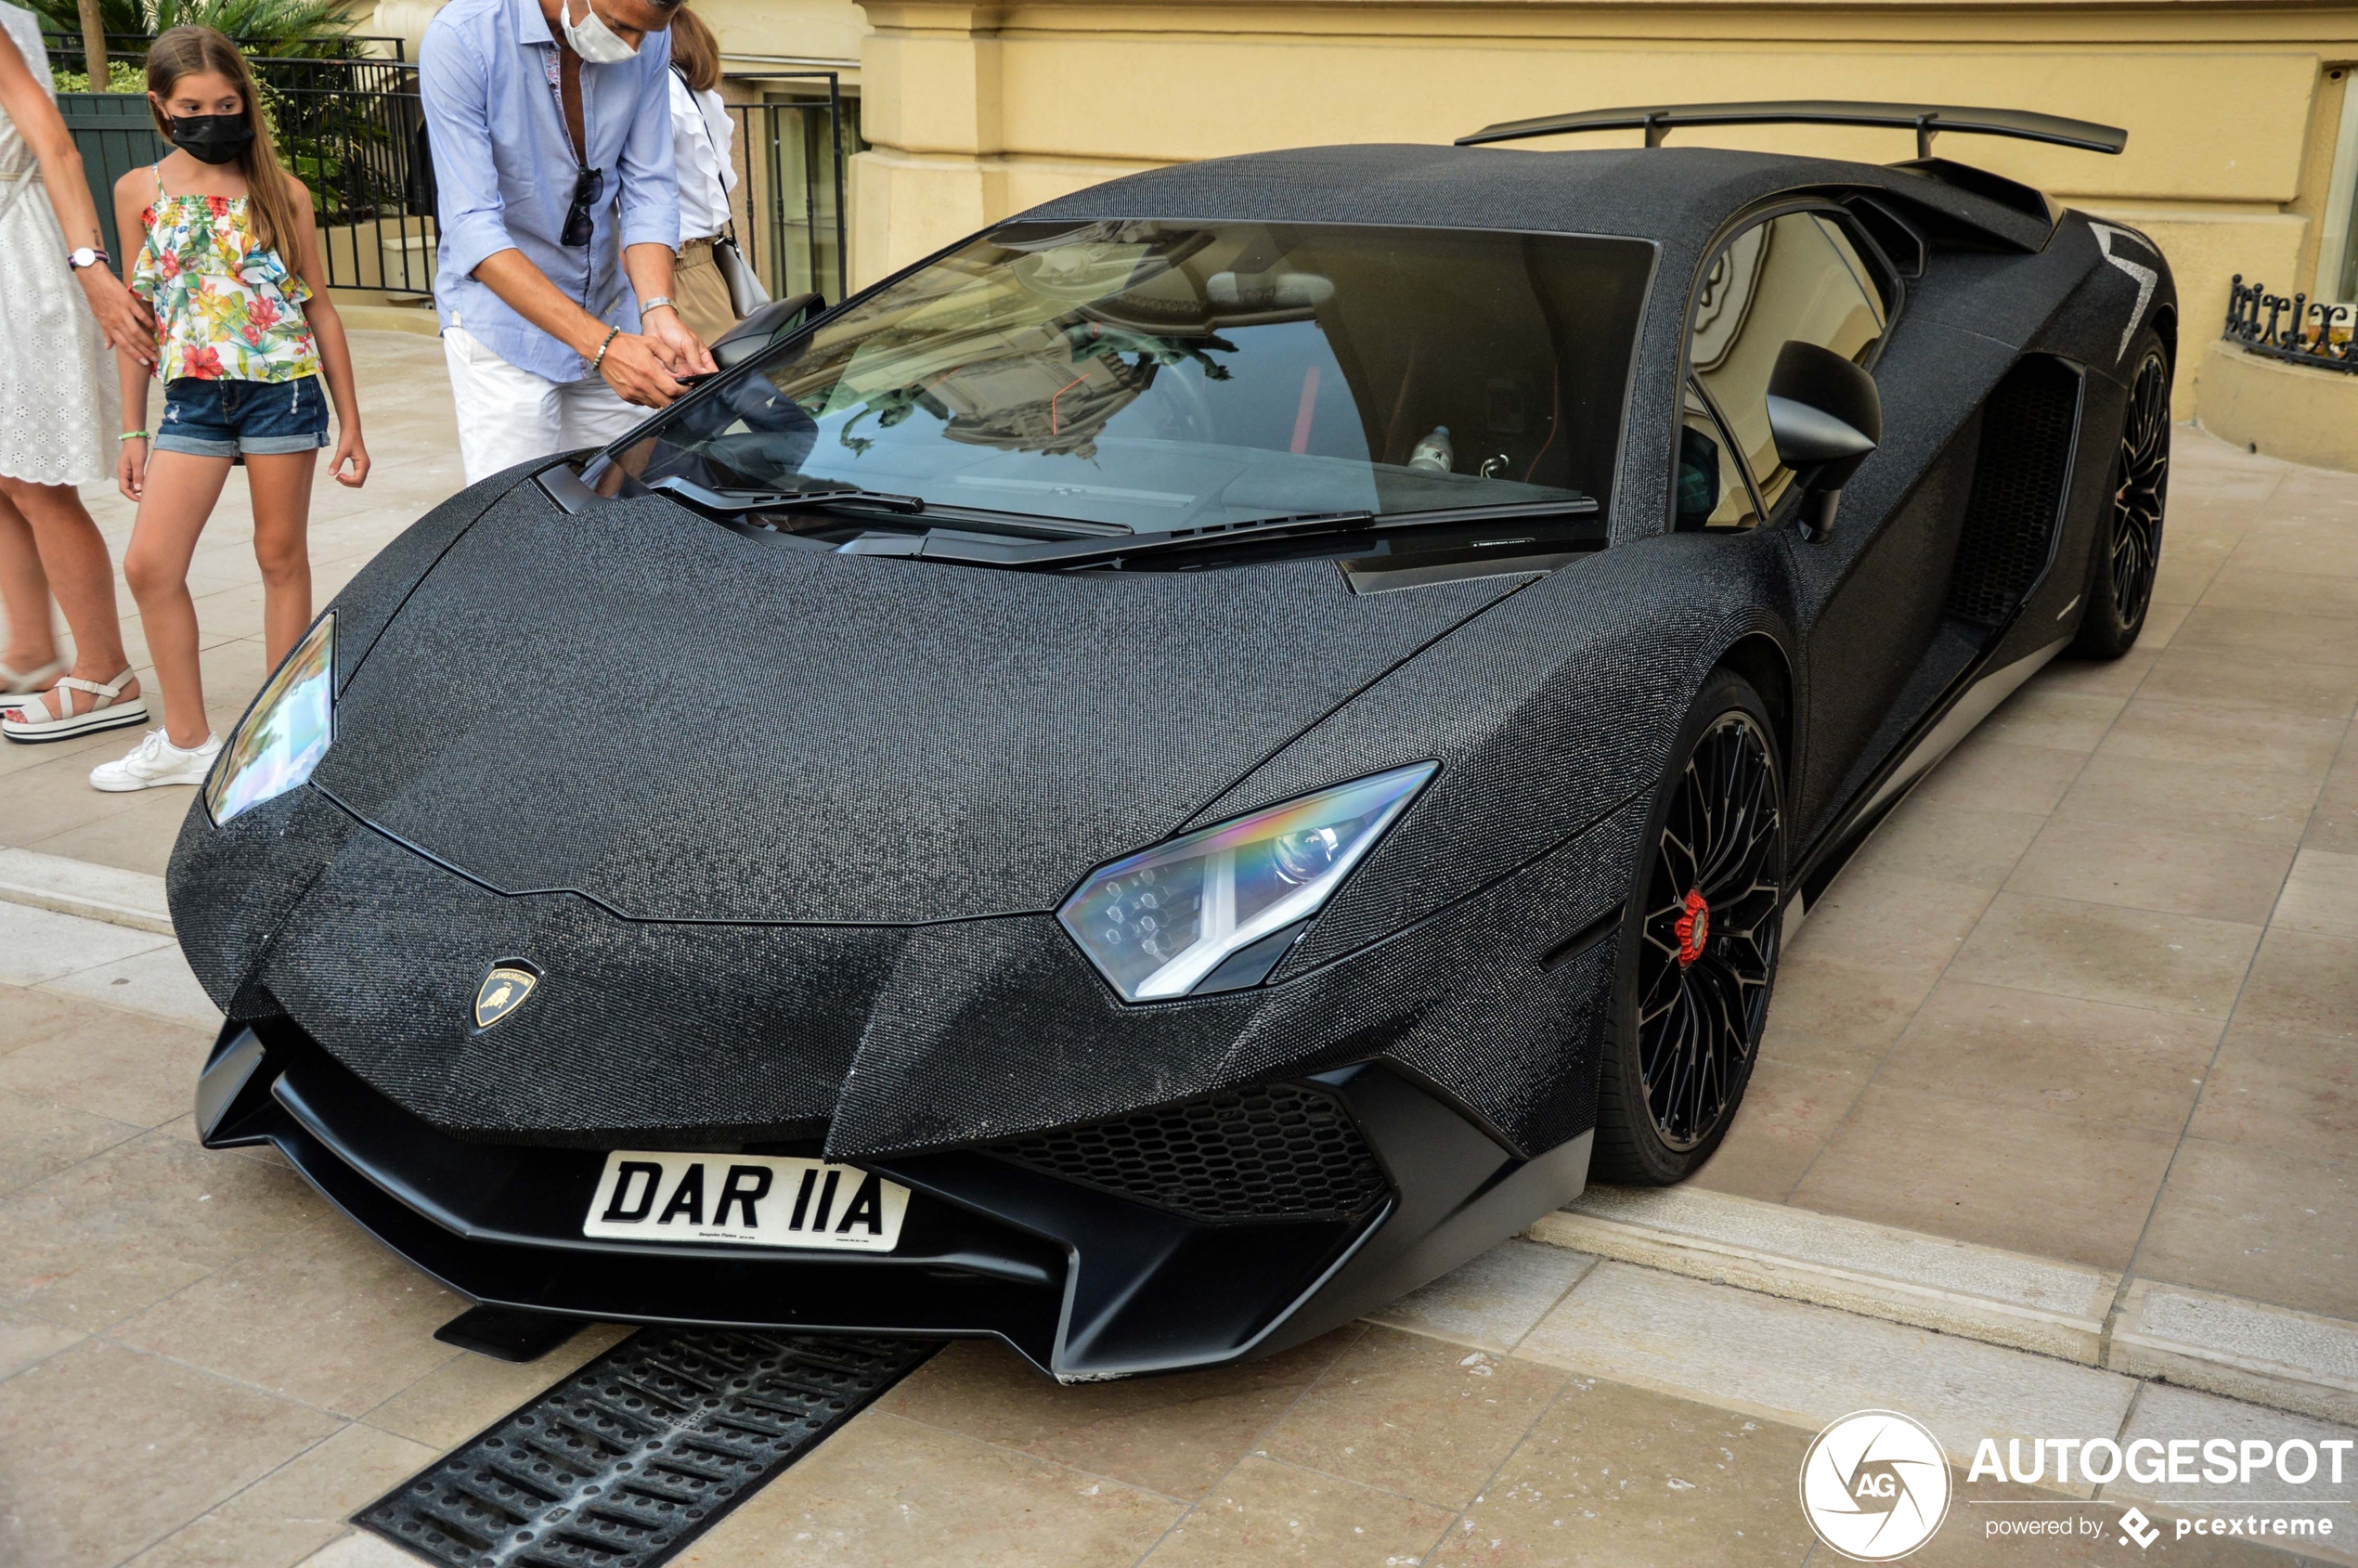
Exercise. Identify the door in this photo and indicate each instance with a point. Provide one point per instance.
(1867, 599)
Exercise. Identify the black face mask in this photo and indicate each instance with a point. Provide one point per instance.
(212, 138)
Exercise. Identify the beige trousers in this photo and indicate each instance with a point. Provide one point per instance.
(700, 291)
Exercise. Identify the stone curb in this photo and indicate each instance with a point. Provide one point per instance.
(79, 887)
(1925, 1282)
(2245, 1350)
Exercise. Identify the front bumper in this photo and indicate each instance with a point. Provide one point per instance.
(1085, 1283)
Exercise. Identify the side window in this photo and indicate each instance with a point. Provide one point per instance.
(1712, 492)
(1794, 276)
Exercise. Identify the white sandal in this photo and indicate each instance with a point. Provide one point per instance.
(25, 682)
(30, 721)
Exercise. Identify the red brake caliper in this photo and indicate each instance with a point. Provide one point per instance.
(1693, 928)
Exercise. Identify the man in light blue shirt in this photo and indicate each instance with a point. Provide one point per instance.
(551, 125)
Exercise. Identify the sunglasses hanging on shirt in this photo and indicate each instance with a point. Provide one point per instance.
(588, 185)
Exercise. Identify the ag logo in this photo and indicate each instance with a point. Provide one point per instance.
(503, 991)
(1874, 1486)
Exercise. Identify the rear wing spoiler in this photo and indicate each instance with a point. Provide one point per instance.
(1925, 119)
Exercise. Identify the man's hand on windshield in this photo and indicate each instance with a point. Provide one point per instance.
(684, 352)
(638, 368)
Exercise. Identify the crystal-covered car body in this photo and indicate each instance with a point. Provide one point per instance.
(781, 739)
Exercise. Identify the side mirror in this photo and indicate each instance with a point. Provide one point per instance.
(764, 326)
(1825, 416)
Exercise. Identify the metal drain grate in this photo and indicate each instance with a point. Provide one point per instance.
(640, 1452)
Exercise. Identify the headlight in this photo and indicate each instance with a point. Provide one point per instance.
(284, 735)
(1160, 923)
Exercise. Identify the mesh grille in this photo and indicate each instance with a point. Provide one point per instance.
(2017, 490)
(1279, 1152)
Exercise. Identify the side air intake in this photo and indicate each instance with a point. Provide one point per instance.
(1282, 1152)
(2019, 475)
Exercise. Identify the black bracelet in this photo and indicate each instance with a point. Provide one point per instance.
(611, 332)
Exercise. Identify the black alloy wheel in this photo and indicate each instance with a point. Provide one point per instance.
(2128, 554)
(1706, 925)
(2140, 483)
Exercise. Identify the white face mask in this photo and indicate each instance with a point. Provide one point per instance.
(590, 37)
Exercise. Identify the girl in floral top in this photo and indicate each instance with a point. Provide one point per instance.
(244, 340)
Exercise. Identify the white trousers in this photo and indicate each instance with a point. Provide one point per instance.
(508, 416)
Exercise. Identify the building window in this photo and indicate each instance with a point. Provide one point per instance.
(2337, 279)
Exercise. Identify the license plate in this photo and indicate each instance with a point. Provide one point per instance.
(746, 1200)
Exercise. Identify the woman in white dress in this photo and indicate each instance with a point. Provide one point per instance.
(62, 311)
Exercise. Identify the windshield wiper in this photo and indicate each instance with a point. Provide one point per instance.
(772, 500)
(983, 537)
(851, 498)
(945, 545)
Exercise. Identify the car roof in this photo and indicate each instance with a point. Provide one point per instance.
(1677, 195)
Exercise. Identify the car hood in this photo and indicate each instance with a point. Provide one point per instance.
(683, 723)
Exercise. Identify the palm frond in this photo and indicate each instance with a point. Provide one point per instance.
(262, 27)
(119, 17)
(271, 27)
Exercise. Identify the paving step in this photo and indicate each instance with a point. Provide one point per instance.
(2245, 1350)
(1979, 1293)
(79, 887)
(1804, 1365)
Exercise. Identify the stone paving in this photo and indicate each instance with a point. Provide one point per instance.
(2087, 996)
(2093, 992)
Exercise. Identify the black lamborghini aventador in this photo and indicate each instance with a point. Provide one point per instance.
(1176, 770)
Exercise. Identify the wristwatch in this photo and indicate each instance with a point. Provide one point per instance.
(83, 255)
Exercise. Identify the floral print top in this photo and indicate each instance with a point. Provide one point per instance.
(226, 309)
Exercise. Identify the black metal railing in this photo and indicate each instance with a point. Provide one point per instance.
(350, 127)
(2303, 331)
(354, 131)
(789, 206)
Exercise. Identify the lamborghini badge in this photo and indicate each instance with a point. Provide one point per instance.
(503, 993)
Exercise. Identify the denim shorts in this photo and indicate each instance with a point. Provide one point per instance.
(221, 419)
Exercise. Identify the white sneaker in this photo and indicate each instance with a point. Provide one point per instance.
(155, 760)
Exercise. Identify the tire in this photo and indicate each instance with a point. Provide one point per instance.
(1689, 1007)
(2127, 551)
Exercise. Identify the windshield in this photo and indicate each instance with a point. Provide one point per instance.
(1174, 375)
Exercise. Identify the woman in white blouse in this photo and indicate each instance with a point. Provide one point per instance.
(701, 132)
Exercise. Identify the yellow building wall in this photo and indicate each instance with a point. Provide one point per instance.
(819, 31)
(976, 112)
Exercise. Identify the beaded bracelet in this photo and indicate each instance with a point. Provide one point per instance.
(611, 332)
